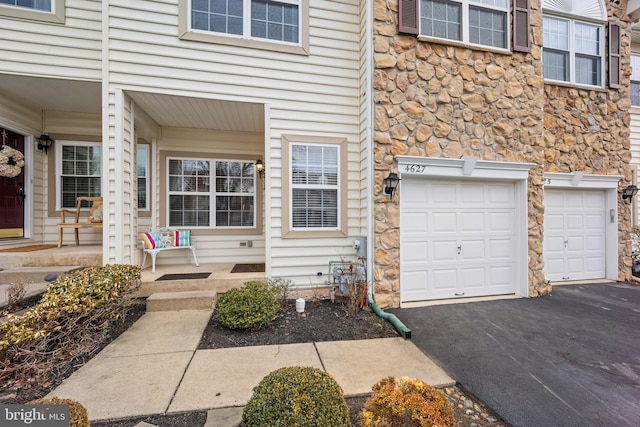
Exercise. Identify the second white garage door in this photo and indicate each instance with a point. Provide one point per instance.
(457, 239)
(574, 234)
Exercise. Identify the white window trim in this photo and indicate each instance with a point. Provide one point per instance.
(336, 187)
(572, 51)
(212, 194)
(55, 16)
(58, 147)
(301, 48)
(146, 148)
(465, 26)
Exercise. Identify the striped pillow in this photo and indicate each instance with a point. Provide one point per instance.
(151, 240)
(181, 238)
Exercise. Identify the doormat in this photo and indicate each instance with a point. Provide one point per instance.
(183, 276)
(248, 268)
(30, 248)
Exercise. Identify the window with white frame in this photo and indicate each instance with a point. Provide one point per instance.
(79, 170)
(573, 50)
(211, 193)
(142, 168)
(250, 19)
(480, 22)
(30, 4)
(34, 10)
(315, 177)
(635, 80)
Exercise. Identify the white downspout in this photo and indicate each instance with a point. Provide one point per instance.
(369, 151)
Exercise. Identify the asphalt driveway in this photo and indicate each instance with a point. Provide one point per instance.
(570, 359)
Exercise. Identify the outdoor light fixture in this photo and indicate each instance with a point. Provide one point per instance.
(260, 168)
(44, 142)
(629, 192)
(390, 183)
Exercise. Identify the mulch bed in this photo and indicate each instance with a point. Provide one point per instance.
(322, 320)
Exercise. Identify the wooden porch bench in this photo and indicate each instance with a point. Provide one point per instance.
(165, 239)
(94, 220)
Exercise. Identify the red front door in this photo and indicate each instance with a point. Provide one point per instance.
(11, 189)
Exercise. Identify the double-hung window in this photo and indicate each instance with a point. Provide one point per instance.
(211, 193)
(250, 19)
(79, 170)
(573, 51)
(38, 10)
(635, 80)
(314, 186)
(479, 22)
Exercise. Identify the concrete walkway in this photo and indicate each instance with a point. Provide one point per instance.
(155, 368)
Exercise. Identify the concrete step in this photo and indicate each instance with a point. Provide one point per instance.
(51, 257)
(35, 274)
(186, 300)
(213, 283)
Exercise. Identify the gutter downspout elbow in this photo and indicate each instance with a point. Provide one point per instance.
(391, 318)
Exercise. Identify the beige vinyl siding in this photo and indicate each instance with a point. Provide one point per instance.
(316, 95)
(70, 50)
(634, 127)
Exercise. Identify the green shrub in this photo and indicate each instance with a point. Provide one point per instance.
(78, 416)
(406, 402)
(71, 297)
(297, 396)
(253, 306)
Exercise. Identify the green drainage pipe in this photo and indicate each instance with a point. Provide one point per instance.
(391, 318)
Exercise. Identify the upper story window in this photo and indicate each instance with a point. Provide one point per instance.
(78, 167)
(635, 80)
(574, 41)
(480, 22)
(30, 4)
(278, 25)
(250, 19)
(37, 10)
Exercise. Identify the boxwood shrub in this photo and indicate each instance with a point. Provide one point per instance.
(297, 396)
(253, 306)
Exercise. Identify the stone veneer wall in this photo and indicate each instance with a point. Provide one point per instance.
(450, 101)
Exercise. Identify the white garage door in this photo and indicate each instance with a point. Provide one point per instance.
(574, 234)
(457, 239)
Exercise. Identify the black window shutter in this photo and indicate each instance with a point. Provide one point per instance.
(521, 41)
(614, 56)
(408, 16)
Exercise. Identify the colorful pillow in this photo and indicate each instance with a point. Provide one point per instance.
(151, 240)
(181, 238)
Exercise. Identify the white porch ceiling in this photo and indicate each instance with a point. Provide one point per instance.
(200, 113)
(166, 110)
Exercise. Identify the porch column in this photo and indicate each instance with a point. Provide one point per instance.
(119, 180)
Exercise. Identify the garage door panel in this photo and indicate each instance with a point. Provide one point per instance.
(580, 222)
(444, 222)
(470, 237)
(444, 251)
(500, 195)
(472, 250)
(415, 222)
(500, 249)
(416, 251)
(443, 195)
(472, 222)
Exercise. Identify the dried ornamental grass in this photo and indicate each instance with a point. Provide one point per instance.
(406, 402)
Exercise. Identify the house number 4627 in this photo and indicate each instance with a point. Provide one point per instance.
(414, 168)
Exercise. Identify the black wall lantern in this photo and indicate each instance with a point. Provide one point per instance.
(391, 183)
(44, 142)
(260, 168)
(629, 192)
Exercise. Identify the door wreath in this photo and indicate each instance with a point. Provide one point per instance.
(11, 162)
